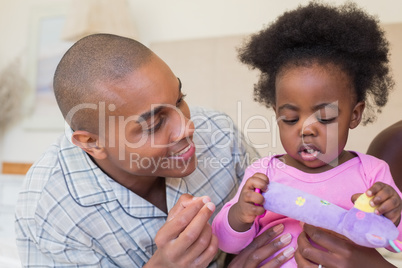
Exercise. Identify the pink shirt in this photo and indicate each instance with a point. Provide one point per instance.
(336, 186)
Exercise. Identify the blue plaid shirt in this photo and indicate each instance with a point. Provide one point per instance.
(71, 214)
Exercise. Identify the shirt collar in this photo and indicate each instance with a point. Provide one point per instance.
(140, 208)
(87, 184)
(90, 186)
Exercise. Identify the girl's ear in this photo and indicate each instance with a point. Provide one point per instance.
(89, 143)
(357, 114)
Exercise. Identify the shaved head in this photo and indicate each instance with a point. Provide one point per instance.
(91, 62)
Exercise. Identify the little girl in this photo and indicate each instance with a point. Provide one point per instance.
(320, 68)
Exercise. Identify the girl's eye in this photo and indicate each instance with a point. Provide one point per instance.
(290, 121)
(326, 120)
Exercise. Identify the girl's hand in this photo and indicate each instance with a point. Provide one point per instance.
(243, 213)
(387, 201)
(339, 251)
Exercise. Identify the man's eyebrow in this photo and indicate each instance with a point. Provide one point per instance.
(145, 116)
(180, 84)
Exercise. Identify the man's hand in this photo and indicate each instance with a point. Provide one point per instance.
(186, 239)
(263, 247)
(339, 251)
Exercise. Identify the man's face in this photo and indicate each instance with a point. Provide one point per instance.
(148, 131)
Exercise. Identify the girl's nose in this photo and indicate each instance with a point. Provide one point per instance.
(309, 126)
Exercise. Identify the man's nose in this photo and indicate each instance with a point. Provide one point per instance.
(182, 128)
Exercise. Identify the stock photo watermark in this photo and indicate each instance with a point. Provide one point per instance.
(112, 131)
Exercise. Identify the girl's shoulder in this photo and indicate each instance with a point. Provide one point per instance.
(263, 163)
(370, 162)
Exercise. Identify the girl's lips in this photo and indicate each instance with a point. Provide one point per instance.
(309, 152)
(185, 153)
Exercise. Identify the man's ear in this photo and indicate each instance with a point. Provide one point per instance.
(89, 142)
(357, 114)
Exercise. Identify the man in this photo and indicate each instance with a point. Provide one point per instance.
(116, 190)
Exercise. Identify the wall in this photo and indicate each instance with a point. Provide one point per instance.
(157, 21)
(212, 76)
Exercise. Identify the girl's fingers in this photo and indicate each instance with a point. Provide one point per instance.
(253, 197)
(354, 197)
(394, 215)
(257, 181)
(387, 206)
(373, 190)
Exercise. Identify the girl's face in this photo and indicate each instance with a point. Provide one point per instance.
(315, 107)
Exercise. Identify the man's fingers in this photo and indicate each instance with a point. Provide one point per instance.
(202, 242)
(266, 236)
(258, 255)
(180, 205)
(306, 253)
(193, 230)
(184, 215)
(301, 262)
(209, 252)
(325, 238)
(280, 259)
(263, 247)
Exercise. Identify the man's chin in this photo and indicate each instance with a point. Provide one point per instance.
(182, 168)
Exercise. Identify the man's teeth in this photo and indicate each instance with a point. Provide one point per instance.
(310, 151)
(185, 150)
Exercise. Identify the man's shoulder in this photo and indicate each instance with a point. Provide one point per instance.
(206, 118)
(47, 161)
(49, 165)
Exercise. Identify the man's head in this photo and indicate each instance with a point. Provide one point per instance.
(126, 108)
(86, 67)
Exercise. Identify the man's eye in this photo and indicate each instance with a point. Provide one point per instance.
(156, 126)
(180, 100)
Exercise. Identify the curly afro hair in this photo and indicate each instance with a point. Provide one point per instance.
(345, 36)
